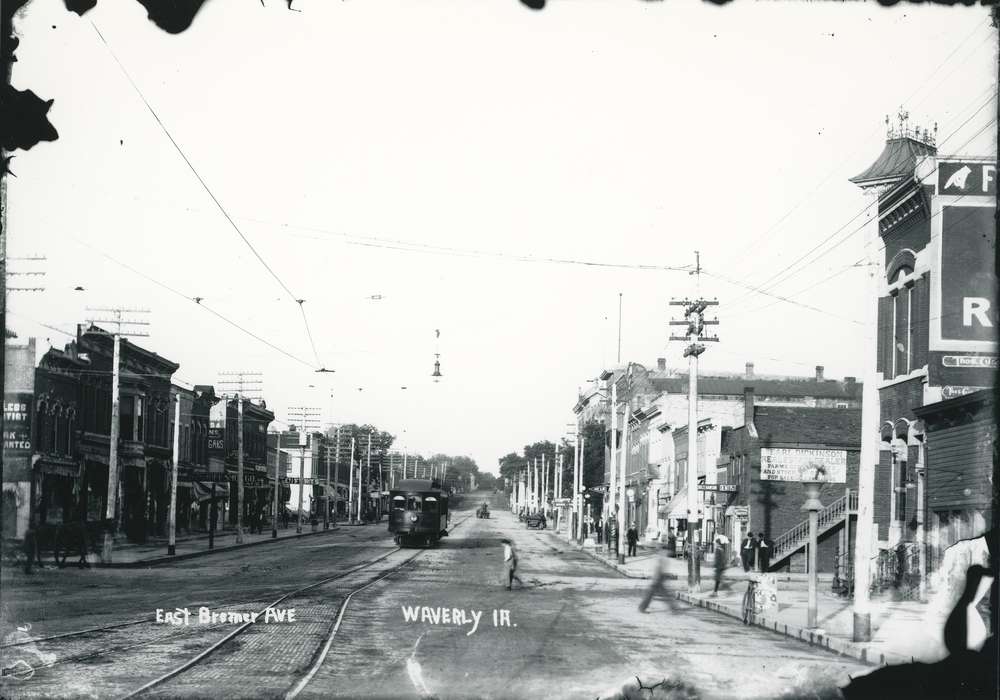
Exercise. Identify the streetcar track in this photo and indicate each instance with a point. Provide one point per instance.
(319, 657)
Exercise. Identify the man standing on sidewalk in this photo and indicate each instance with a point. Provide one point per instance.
(632, 535)
(720, 565)
(747, 550)
(763, 553)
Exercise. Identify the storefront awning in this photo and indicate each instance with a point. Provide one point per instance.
(203, 491)
(679, 506)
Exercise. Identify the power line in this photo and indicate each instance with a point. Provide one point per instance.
(207, 189)
(830, 174)
(772, 282)
(764, 287)
(196, 300)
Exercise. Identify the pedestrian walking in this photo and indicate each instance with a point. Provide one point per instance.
(632, 535)
(763, 553)
(720, 565)
(671, 543)
(748, 548)
(600, 530)
(656, 587)
(510, 563)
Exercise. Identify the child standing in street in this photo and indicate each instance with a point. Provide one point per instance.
(510, 563)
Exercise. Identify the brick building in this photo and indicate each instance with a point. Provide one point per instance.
(937, 330)
(768, 457)
(19, 411)
(657, 406)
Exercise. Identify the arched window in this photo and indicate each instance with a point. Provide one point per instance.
(61, 431)
(41, 422)
(71, 431)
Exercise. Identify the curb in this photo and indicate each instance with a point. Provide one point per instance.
(611, 565)
(155, 561)
(841, 647)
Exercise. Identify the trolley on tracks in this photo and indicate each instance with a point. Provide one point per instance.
(418, 512)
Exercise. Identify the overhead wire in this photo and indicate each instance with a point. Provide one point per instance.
(208, 189)
(200, 304)
(772, 282)
(752, 245)
(764, 288)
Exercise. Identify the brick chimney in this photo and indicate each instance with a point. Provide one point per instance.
(748, 374)
(819, 373)
(661, 364)
(851, 385)
(747, 405)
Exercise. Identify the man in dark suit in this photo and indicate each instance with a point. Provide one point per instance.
(763, 552)
(748, 551)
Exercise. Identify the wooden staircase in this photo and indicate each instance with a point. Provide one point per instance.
(798, 537)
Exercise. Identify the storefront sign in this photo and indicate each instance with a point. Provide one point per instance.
(216, 442)
(989, 361)
(793, 464)
(729, 488)
(953, 392)
(299, 480)
(967, 178)
(17, 411)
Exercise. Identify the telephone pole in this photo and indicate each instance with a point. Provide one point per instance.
(306, 419)
(694, 311)
(113, 514)
(244, 381)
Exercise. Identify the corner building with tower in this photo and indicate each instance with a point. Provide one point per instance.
(936, 351)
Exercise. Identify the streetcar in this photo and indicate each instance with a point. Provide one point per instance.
(418, 512)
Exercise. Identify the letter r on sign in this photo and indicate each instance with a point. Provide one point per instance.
(977, 307)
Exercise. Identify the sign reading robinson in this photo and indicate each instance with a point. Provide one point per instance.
(794, 464)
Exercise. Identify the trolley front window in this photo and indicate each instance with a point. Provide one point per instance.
(430, 505)
(413, 503)
(398, 502)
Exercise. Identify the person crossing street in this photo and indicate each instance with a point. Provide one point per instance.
(656, 587)
(510, 563)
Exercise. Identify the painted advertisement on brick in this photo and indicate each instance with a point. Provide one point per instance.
(17, 411)
(795, 464)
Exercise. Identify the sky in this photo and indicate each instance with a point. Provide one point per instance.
(407, 168)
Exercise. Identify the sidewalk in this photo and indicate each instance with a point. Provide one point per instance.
(128, 555)
(902, 631)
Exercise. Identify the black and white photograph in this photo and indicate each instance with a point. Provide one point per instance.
(503, 349)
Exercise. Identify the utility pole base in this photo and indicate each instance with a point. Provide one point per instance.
(239, 535)
(171, 550)
(274, 533)
(862, 627)
(107, 547)
(621, 558)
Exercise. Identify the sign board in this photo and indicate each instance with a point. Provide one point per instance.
(18, 408)
(729, 488)
(299, 480)
(967, 285)
(988, 361)
(953, 392)
(967, 178)
(795, 464)
(216, 442)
